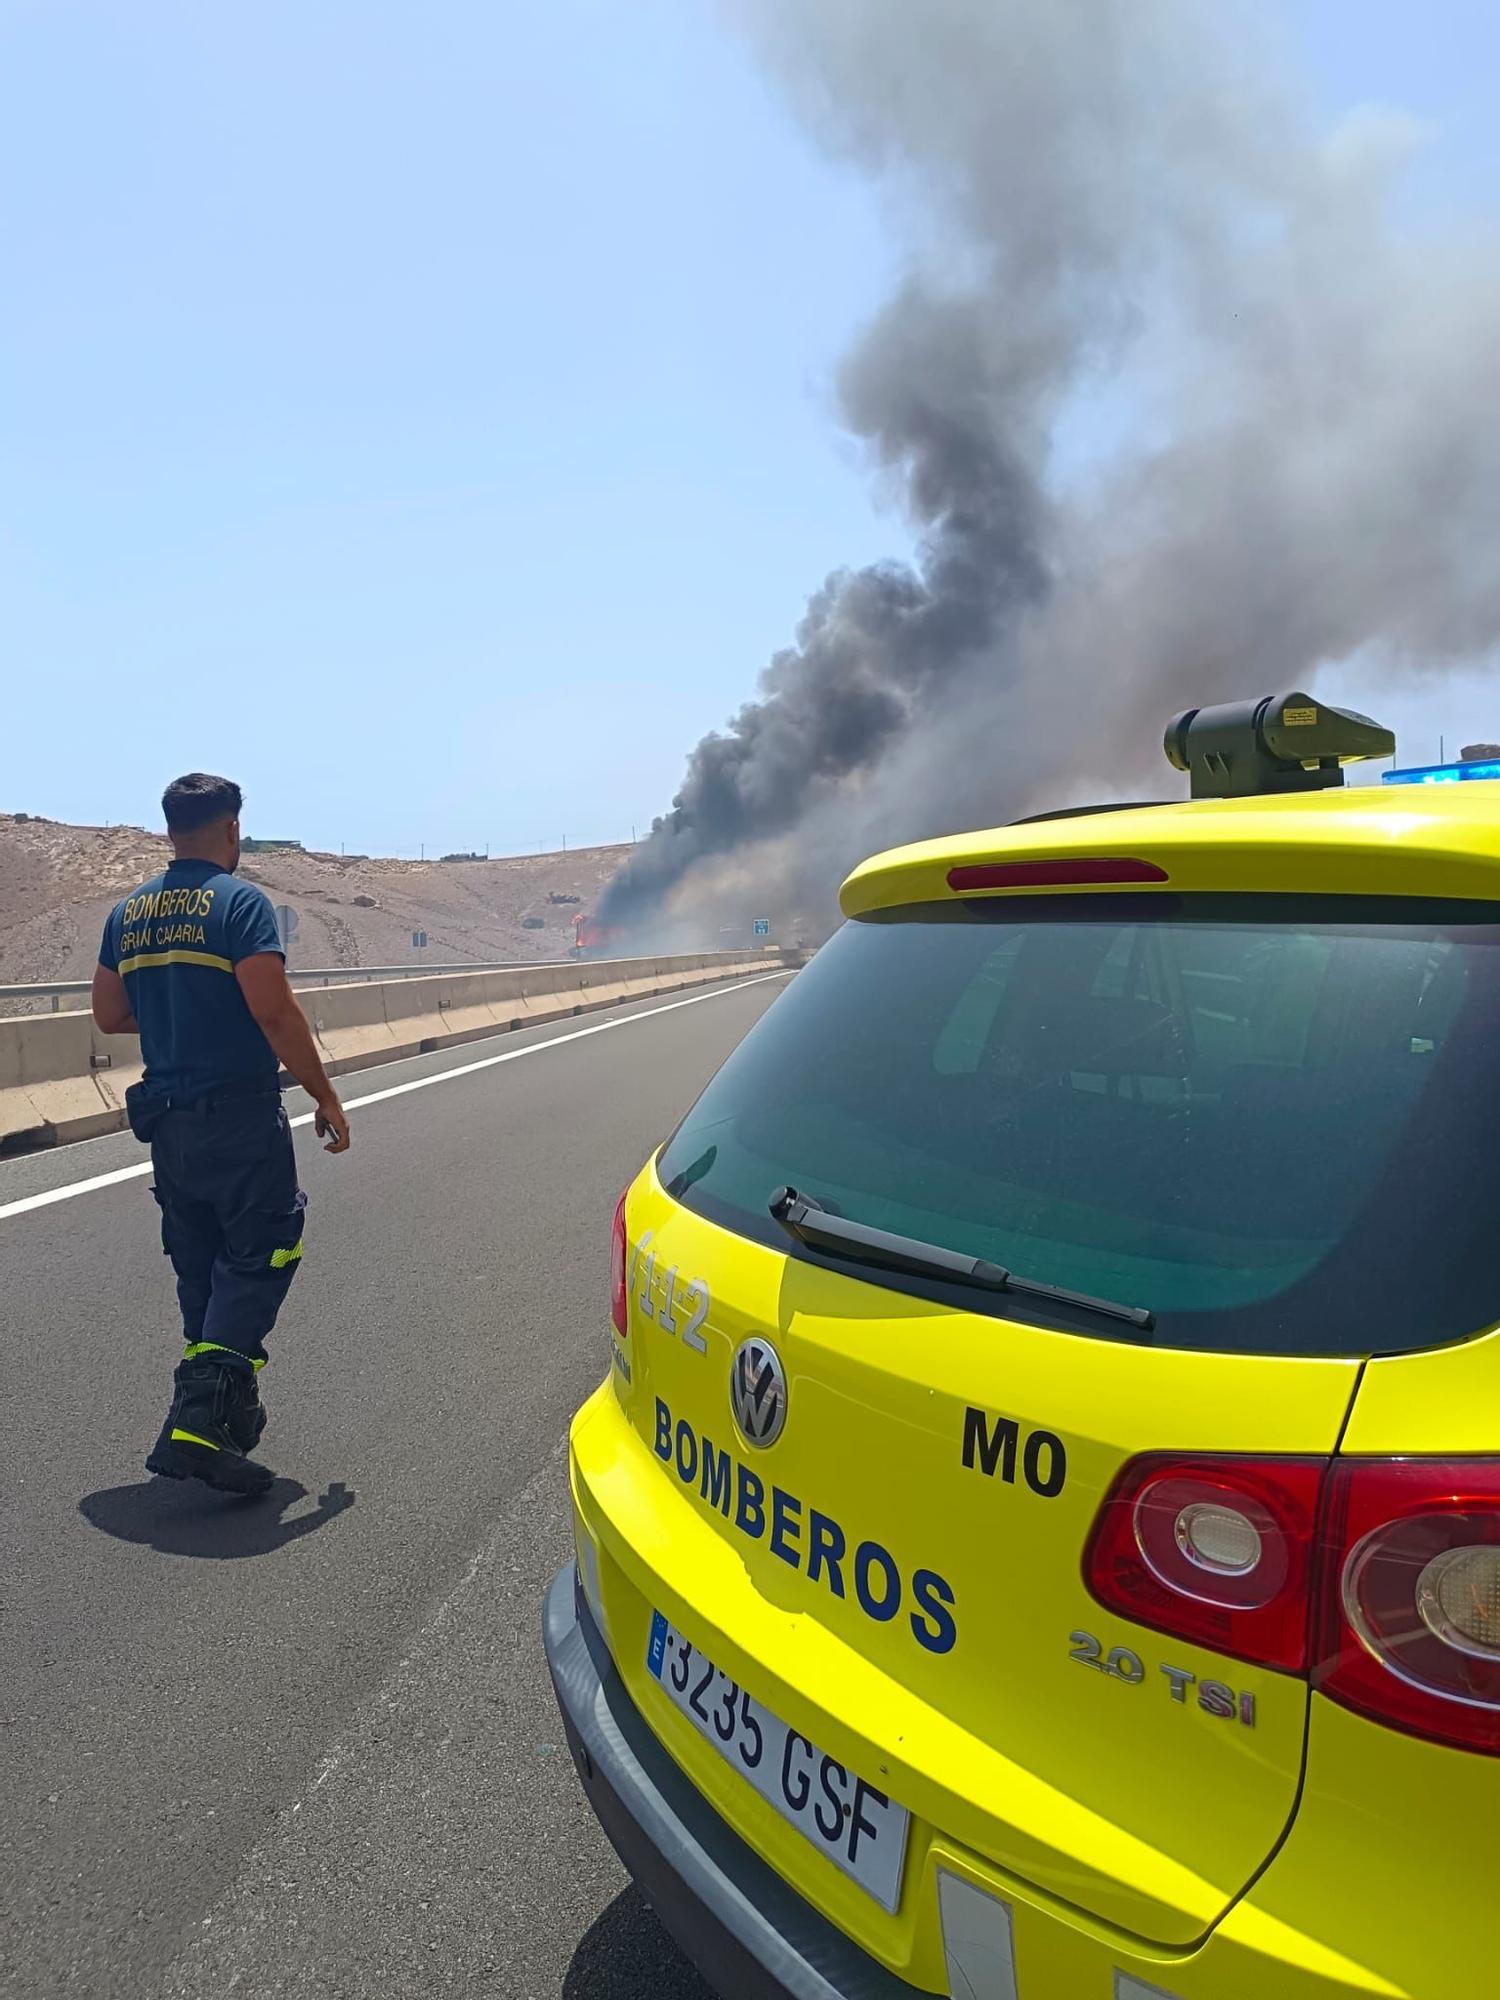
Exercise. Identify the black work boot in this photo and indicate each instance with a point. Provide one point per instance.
(214, 1422)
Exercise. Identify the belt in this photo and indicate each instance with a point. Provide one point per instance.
(220, 1093)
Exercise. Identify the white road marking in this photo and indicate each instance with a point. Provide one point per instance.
(72, 1188)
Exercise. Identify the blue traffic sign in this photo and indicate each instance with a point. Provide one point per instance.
(419, 940)
(762, 926)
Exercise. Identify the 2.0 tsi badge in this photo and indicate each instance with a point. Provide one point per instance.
(758, 1391)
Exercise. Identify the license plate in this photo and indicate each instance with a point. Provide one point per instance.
(845, 1818)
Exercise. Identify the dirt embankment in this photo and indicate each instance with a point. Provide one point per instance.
(59, 882)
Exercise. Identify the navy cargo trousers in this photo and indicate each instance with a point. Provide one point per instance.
(231, 1214)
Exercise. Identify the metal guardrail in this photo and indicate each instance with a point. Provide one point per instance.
(56, 991)
(352, 975)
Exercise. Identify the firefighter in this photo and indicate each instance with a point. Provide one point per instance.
(193, 963)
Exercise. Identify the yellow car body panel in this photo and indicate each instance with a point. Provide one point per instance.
(1107, 1826)
(1131, 1835)
(1398, 1872)
(1441, 1401)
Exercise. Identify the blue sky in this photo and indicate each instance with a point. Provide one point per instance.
(424, 413)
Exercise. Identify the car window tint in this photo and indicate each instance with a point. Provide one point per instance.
(1266, 1121)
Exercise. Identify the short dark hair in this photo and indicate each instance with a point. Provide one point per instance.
(200, 800)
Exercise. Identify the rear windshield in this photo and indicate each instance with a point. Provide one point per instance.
(1271, 1122)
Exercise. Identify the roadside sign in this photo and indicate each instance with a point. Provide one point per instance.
(762, 926)
(419, 940)
(286, 923)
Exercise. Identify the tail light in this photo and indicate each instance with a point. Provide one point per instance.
(1063, 873)
(1377, 1578)
(1409, 1623)
(619, 1310)
(1217, 1550)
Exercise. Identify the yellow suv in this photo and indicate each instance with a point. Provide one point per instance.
(1040, 1535)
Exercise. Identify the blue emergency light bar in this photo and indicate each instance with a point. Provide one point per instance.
(1444, 774)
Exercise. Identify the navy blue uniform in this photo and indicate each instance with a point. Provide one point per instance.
(221, 1143)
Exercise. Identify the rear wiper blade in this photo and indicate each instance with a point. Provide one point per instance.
(804, 1217)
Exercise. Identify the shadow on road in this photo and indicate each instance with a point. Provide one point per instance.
(626, 1955)
(187, 1519)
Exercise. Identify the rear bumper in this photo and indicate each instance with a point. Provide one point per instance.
(745, 1929)
(1367, 1909)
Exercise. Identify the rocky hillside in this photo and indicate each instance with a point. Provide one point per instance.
(58, 883)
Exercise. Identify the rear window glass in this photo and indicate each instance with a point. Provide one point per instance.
(1268, 1121)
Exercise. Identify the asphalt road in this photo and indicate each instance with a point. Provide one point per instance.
(308, 1747)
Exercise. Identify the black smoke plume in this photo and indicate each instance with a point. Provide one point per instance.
(1180, 409)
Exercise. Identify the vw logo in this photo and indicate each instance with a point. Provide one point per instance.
(757, 1391)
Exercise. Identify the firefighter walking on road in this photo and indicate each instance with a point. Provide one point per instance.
(193, 963)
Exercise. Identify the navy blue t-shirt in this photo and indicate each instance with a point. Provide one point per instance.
(175, 944)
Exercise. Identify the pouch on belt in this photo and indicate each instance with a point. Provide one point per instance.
(144, 1111)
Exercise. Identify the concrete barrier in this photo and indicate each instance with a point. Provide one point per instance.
(60, 1079)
